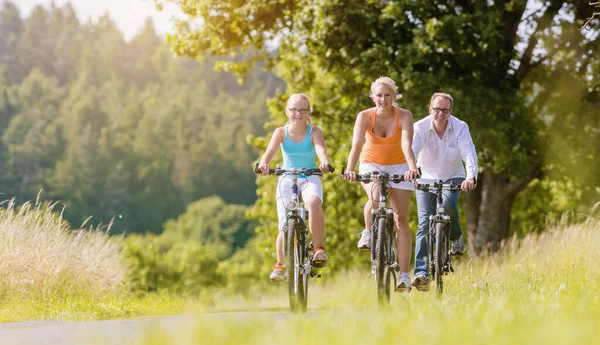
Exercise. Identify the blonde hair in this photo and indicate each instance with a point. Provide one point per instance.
(443, 95)
(390, 83)
(304, 97)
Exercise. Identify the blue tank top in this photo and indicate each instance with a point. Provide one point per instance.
(298, 155)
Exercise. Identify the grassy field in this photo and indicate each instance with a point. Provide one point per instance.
(50, 272)
(542, 290)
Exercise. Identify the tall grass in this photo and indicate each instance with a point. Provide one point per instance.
(542, 289)
(40, 256)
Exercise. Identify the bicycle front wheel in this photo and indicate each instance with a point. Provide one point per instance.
(382, 269)
(297, 280)
(438, 259)
(302, 259)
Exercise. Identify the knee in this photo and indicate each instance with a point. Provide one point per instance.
(401, 221)
(314, 204)
(450, 208)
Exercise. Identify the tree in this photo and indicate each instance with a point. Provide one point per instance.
(214, 223)
(500, 59)
(32, 138)
(11, 27)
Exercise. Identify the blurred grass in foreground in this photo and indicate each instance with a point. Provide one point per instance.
(542, 289)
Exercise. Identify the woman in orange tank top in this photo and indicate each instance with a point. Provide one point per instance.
(382, 138)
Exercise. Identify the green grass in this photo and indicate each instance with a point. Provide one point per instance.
(85, 307)
(542, 290)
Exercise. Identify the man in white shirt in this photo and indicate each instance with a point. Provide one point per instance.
(441, 144)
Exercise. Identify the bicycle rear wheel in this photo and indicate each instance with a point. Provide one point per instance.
(382, 270)
(438, 258)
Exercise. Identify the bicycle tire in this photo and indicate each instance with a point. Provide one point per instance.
(390, 273)
(439, 257)
(383, 294)
(430, 248)
(290, 263)
(302, 258)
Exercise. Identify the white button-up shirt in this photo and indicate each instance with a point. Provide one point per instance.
(441, 159)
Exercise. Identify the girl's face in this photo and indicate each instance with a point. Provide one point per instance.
(297, 110)
(382, 96)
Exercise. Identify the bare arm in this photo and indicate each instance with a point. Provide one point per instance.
(276, 140)
(406, 122)
(361, 126)
(317, 138)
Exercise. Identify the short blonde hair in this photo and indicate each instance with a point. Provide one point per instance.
(443, 95)
(387, 81)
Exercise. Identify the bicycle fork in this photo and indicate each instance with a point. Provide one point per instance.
(431, 239)
(389, 242)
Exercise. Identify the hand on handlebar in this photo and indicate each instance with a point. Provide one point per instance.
(467, 185)
(263, 168)
(411, 175)
(348, 175)
(326, 167)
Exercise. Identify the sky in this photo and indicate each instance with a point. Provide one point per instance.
(128, 15)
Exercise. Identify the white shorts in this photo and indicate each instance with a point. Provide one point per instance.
(397, 169)
(308, 186)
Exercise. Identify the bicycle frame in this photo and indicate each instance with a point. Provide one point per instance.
(296, 247)
(384, 258)
(384, 211)
(438, 237)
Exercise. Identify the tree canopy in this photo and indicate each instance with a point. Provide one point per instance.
(523, 74)
(120, 131)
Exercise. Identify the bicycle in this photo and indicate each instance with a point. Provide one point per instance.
(384, 259)
(298, 261)
(438, 237)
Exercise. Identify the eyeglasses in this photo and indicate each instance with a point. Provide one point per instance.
(444, 110)
(296, 110)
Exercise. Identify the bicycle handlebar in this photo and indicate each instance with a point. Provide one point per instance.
(377, 176)
(435, 186)
(294, 171)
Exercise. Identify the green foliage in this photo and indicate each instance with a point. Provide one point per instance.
(509, 66)
(214, 223)
(204, 247)
(158, 265)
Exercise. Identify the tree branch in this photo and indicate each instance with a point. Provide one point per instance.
(543, 22)
(511, 20)
(595, 14)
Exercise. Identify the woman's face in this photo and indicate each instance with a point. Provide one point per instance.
(297, 110)
(382, 96)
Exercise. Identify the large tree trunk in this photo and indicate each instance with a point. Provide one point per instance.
(488, 210)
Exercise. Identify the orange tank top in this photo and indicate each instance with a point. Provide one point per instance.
(384, 151)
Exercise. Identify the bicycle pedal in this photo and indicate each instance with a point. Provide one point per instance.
(319, 264)
(364, 249)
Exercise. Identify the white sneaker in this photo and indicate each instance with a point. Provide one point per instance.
(403, 283)
(421, 282)
(278, 274)
(365, 240)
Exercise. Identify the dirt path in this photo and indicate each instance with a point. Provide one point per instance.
(109, 332)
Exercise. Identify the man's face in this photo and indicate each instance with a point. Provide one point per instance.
(440, 109)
